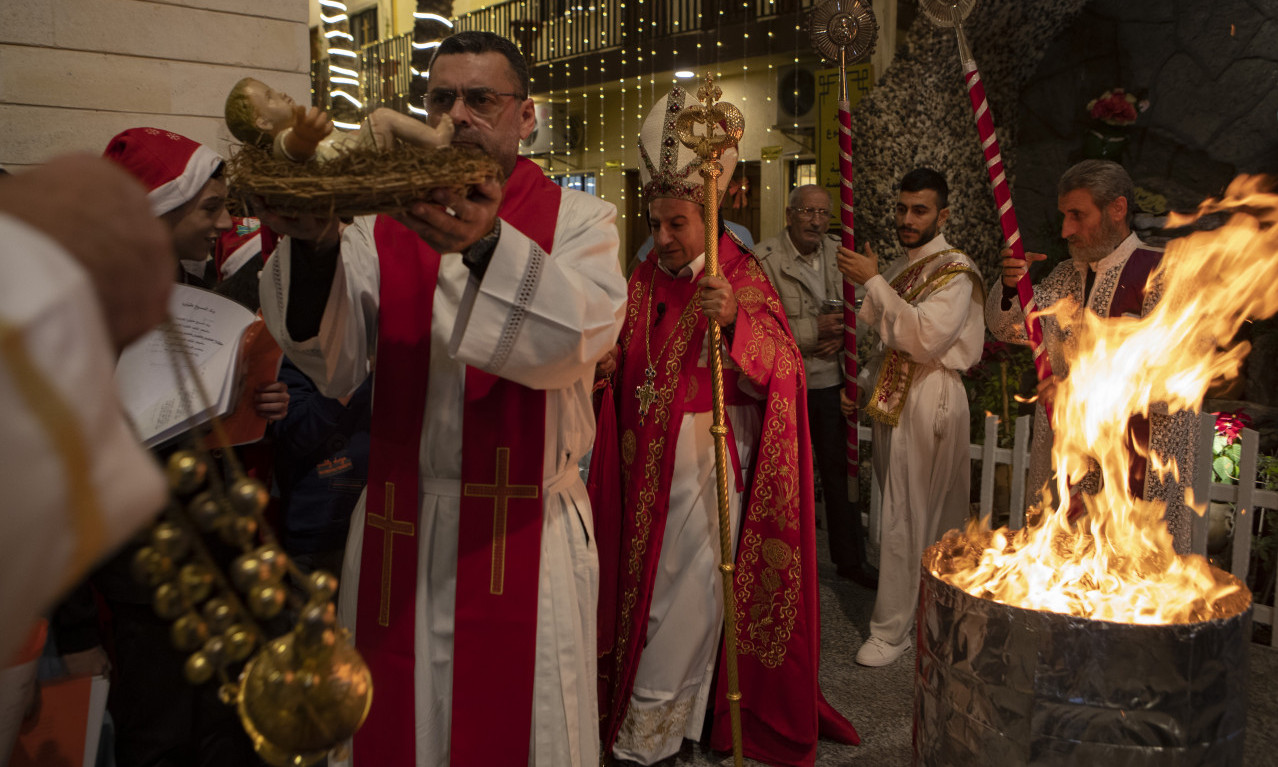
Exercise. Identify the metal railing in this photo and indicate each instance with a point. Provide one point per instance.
(386, 73)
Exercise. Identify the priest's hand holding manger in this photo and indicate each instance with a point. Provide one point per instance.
(452, 219)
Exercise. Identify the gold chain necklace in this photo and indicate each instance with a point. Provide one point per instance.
(647, 392)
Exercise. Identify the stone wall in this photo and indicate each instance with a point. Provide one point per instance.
(1210, 74)
(73, 73)
(919, 114)
(1209, 70)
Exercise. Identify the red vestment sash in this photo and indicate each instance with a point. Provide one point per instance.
(778, 621)
(499, 538)
(1129, 300)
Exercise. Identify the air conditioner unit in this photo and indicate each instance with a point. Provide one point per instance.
(796, 97)
(557, 132)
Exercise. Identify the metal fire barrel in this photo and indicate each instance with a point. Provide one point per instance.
(1001, 685)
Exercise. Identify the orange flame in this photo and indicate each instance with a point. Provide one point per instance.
(1117, 561)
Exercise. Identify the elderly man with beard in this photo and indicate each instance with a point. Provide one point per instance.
(1108, 272)
(801, 263)
(926, 309)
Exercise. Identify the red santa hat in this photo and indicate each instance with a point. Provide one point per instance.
(238, 245)
(174, 168)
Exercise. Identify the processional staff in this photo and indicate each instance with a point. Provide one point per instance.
(723, 127)
(844, 31)
(947, 13)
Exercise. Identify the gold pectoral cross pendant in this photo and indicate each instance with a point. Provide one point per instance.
(647, 393)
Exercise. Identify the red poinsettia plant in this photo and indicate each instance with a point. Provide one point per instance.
(1226, 449)
(1230, 425)
(1116, 107)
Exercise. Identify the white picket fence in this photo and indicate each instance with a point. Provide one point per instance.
(1245, 496)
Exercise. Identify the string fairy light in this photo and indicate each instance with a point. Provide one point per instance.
(344, 104)
(435, 17)
(429, 30)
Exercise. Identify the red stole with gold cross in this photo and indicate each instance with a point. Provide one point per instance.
(499, 537)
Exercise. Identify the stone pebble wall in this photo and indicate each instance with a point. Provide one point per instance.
(1209, 72)
(919, 114)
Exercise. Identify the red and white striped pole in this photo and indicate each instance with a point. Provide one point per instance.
(849, 292)
(1006, 214)
(843, 30)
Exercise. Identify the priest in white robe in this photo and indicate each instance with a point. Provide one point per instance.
(926, 309)
(527, 296)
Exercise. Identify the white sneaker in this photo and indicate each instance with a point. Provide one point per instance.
(877, 652)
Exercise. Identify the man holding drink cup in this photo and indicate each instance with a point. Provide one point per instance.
(801, 261)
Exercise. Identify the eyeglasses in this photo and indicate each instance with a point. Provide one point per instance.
(482, 102)
(811, 212)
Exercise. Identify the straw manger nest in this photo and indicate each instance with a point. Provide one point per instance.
(361, 181)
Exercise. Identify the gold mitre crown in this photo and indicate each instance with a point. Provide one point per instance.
(668, 168)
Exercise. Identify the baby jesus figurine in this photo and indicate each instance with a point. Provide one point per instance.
(259, 115)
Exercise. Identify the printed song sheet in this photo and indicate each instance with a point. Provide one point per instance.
(164, 404)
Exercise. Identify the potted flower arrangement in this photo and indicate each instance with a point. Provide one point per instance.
(1226, 449)
(1113, 112)
(1226, 452)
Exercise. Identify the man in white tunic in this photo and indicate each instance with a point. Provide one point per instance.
(527, 297)
(926, 309)
(1108, 272)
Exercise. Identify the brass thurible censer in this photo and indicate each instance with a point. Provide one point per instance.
(299, 694)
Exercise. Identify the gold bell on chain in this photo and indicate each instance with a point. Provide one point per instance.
(247, 496)
(303, 694)
(189, 632)
(186, 471)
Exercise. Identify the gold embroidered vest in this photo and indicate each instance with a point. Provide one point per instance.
(897, 372)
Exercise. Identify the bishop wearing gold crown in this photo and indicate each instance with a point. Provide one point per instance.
(661, 608)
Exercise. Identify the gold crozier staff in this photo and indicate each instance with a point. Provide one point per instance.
(722, 126)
